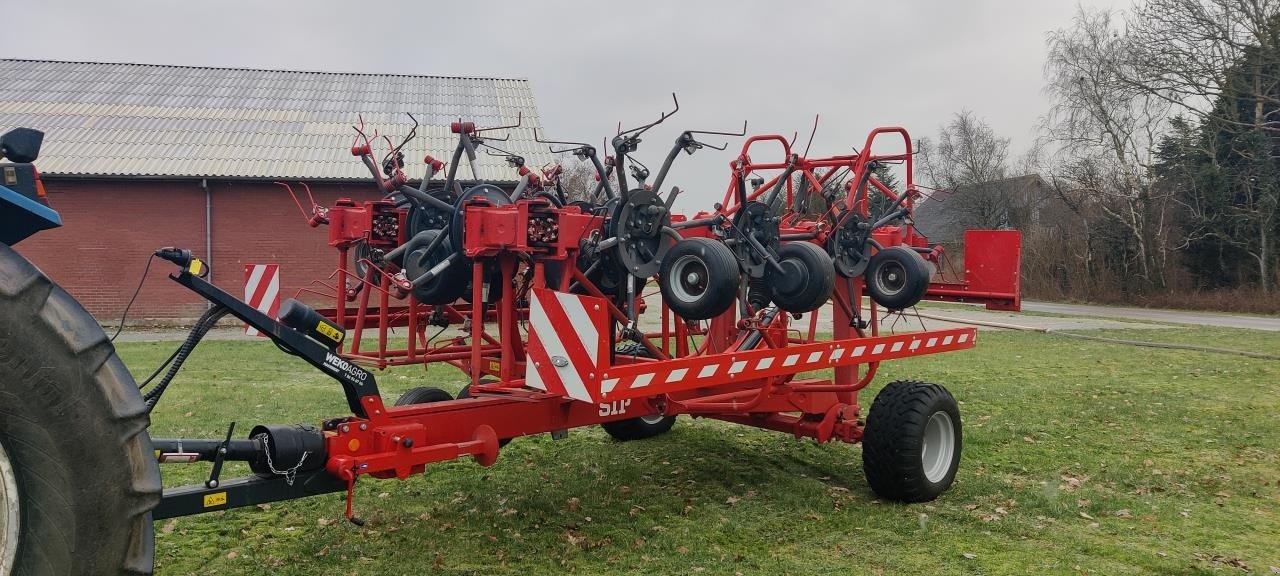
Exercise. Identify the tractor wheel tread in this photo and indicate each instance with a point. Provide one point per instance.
(75, 427)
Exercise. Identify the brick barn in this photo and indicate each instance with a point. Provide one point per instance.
(137, 157)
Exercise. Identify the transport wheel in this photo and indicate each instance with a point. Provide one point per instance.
(911, 445)
(897, 277)
(77, 476)
(640, 427)
(699, 278)
(809, 280)
(423, 395)
(465, 392)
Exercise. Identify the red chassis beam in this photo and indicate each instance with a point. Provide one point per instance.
(400, 441)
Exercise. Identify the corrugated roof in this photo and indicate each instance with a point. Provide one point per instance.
(103, 119)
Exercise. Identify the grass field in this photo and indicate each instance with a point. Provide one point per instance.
(1079, 457)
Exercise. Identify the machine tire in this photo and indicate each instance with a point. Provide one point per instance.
(699, 278)
(819, 277)
(639, 428)
(73, 432)
(897, 277)
(423, 395)
(912, 441)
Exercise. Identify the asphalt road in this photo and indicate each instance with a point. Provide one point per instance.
(1270, 323)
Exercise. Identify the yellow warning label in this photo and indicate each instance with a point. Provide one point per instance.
(329, 331)
(495, 366)
(196, 268)
(215, 499)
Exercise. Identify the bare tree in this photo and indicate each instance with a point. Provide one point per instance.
(1218, 62)
(969, 158)
(1104, 130)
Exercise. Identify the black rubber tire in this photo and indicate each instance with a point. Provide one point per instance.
(897, 277)
(894, 438)
(638, 428)
(817, 274)
(74, 427)
(717, 281)
(423, 395)
(465, 392)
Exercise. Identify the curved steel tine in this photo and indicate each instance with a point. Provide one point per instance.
(811, 135)
(519, 120)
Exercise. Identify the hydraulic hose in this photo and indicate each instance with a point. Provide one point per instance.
(201, 327)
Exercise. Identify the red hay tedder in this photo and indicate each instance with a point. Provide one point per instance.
(768, 313)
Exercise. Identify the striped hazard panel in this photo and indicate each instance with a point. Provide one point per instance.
(568, 344)
(650, 378)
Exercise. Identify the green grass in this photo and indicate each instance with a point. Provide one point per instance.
(1079, 457)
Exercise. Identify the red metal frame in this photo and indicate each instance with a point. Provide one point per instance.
(743, 368)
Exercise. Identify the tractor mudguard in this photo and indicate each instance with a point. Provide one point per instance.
(20, 216)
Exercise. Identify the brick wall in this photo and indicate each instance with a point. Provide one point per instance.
(110, 227)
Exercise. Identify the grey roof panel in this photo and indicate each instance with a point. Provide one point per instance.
(147, 120)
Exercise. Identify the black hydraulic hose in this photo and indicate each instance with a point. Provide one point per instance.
(201, 327)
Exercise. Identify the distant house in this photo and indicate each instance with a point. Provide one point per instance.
(1000, 204)
(137, 157)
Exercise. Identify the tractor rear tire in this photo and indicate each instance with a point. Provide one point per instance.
(77, 476)
(699, 278)
(911, 444)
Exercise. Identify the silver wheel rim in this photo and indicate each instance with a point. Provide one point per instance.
(8, 514)
(652, 419)
(939, 447)
(688, 278)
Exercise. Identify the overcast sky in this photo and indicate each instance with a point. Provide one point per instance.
(592, 64)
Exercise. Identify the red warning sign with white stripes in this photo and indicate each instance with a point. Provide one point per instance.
(262, 290)
(568, 341)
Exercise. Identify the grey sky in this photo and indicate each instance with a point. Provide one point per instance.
(776, 64)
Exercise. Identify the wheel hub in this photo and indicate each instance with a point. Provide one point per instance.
(9, 514)
(892, 279)
(848, 245)
(692, 275)
(939, 446)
